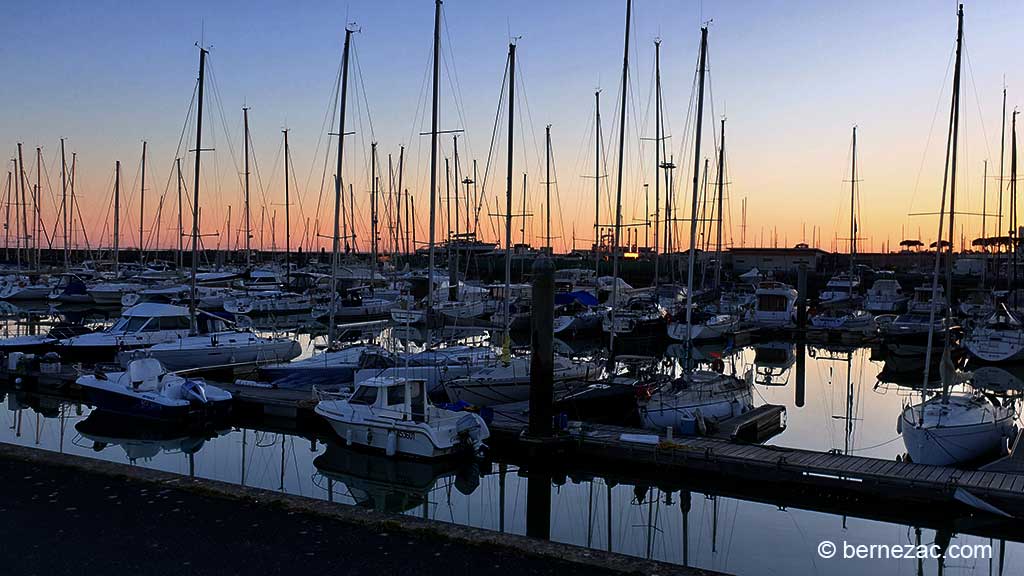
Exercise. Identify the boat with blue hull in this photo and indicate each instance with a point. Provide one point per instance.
(147, 391)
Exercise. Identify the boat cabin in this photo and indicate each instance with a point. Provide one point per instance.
(153, 317)
(390, 395)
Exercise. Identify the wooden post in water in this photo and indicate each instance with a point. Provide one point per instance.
(542, 353)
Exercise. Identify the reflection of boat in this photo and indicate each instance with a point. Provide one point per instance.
(999, 379)
(388, 484)
(140, 441)
(772, 361)
(395, 416)
(145, 390)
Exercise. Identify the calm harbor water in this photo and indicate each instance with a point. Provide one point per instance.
(841, 406)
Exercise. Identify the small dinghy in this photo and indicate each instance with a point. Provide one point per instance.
(146, 390)
(395, 416)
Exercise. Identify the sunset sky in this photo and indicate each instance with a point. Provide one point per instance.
(791, 77)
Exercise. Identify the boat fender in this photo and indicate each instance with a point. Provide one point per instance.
(700, 424)
(348, 437)
(392, 443)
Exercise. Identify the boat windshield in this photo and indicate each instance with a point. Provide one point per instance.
(132, 324)
(364, 395)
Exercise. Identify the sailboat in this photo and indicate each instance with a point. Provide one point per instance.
(705, 326)
(699, 398)
(222, 345)
(953, 427)
(842, 311)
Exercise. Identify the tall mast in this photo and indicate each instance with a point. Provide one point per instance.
(64, 200)
(984, 223)
(951, 151)
(7, 218)
(398, 202)
(352, 215)
(1013, 196)
(24, 206)
(455, 181)
(248, 234)
(696, 174)
(721, 202)
(142, 205)
(433, 158)
(1002, 155)
(547, 183)
(597, 182)
(181, 229)
(287, 215)
(37, 201)
(74, 164)
(508, 190)
(195, 189)
(19, 184)
(657, 153)
(373, 214)
(853, 221)
(117, 216)
(948, 184)
(337, 185)
(618, 185)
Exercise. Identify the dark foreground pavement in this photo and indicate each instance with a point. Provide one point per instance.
(64, 514)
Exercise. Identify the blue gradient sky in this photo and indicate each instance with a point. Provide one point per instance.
(792, 77)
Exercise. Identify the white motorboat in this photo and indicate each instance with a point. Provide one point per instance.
(885, 296)
(112, 293)
(140, 326)
(459, 310)
(842, 319)
(329, 367)
(999, 339)
(775, 305)
(436, 366)
(696, 400)
(146, 390)
(394, 415)
(70, 289)
(268, 302)
(840, 289)
(507, 382)
(167, 294)
(19, 287)
(709, 328)
(262, 280)
(404, 313)
(219, 349)
(639, 316)
(578, 319)
(354, 307)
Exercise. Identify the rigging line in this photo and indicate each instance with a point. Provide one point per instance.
(453, 79)
(931, 130)
(491, 150)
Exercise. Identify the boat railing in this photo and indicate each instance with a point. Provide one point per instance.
(322, 393)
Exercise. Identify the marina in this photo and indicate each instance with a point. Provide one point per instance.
(575, 353)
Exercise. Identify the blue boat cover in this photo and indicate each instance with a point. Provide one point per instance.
(583, 297)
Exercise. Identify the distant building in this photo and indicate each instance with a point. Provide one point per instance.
(775, 259)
